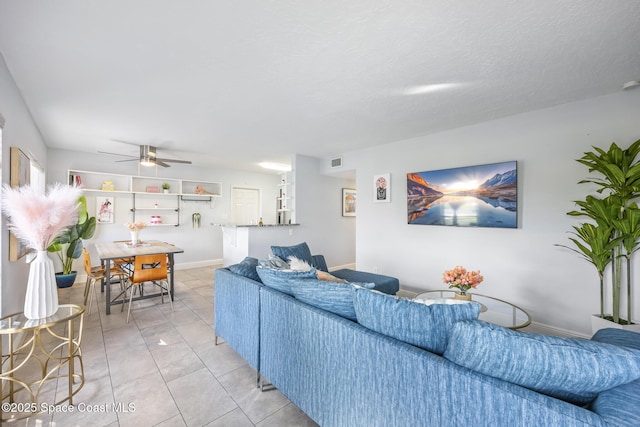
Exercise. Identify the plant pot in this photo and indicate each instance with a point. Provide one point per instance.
(66, 280)
(598, 323)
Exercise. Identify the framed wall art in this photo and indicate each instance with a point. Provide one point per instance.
(20, 174)
(382, 188)
(348, 202)
(104, 210)
(473, 196)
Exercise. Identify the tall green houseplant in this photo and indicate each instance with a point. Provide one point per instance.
(68, 245)
(614, 235)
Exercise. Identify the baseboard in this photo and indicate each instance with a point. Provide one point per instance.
(340, 267)
(199, 264)
(540, 328)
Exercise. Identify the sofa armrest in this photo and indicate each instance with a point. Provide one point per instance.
(237, 314)
(320, 263)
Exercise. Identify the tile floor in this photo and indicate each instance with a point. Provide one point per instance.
(165, 364)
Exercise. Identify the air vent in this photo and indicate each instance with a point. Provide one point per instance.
(336, 162)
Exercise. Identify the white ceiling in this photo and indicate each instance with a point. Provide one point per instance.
(237, 82)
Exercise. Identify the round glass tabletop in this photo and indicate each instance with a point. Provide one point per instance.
(494, 310)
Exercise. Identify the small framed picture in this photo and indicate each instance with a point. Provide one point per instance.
(348, 202)
(104, 210)
(382, 188)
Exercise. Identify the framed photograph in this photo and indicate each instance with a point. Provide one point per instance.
(473, 196)
(382, 188)
(20, 174)
(348, 202)
(104, 210)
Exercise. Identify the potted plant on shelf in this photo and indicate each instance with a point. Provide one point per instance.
(612, 236)
(165, 187)
(68, 245)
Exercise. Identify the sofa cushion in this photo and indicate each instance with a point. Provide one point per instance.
(619, 337)
(425, 326)
(281, 279)
(300, 251)
(387, 284)
(571, 369)
(246, 268)
(335, 297)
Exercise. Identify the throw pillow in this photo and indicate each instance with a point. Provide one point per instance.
(571, 369)
(335, 297)
(300, 251)
(274, 262)
(425, 326)
(619, 337)
(246, 268)
(281, 279)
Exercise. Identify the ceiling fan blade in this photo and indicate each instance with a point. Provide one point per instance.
(117, 154)
(161, 163)
(128, 160)
(187, 162)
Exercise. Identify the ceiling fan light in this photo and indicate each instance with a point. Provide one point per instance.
(147, 161)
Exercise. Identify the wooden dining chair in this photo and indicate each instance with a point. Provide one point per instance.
(149, 268)
(99, 273)
(126, 264)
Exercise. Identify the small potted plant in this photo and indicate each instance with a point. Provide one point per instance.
(165, 187)
(68, 245)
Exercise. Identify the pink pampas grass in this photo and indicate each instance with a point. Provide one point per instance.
(36, 218)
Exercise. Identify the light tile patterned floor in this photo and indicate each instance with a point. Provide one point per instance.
(165, 365)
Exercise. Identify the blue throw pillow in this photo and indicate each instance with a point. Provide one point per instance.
(300, 251)
(246, 268)
(425, 326)
(281, 279)
(335, 297)
(571, 369)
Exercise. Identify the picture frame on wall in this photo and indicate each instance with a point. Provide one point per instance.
(382, 188)
(470, 196)
(20, 174)
(105, 210)
(348, 202)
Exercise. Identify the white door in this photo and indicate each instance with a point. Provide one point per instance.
(245, 205)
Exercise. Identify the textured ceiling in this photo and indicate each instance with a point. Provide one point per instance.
(238, 82)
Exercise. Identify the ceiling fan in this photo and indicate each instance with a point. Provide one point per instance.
(148, 157)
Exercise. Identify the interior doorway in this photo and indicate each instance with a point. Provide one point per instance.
(245, 205)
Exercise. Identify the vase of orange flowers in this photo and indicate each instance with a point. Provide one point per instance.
(462, 280)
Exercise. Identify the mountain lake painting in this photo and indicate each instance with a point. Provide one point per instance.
(474, 196)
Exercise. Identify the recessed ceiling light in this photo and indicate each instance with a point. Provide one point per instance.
(276, 166)
(631, 84)
(421, 89)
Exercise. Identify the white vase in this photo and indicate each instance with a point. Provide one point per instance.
(134, 237)
(41, 299)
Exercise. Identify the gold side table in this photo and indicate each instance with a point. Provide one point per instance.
(51, 345)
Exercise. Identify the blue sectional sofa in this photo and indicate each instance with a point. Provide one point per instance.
(341, 373)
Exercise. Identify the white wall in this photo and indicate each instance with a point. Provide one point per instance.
(19, 131)
(318, 204)
(520, 265)
(201, 244)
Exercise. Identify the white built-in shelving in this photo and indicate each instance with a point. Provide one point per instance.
(149, 200)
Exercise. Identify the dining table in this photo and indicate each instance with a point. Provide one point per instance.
(109, 252)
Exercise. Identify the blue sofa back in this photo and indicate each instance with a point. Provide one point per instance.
(342, 374)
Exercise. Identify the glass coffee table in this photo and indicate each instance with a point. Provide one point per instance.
(494, 310)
